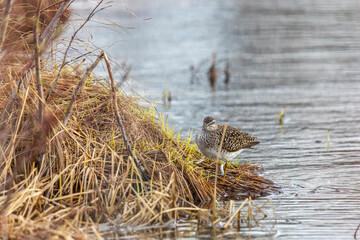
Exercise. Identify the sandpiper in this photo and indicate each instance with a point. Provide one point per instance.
(235, 141)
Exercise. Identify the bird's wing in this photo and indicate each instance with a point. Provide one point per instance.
(235, 140)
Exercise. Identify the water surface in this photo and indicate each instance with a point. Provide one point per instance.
(304, 55)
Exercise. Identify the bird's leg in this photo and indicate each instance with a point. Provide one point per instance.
(200, 161)
(226, 166)
(222, 173)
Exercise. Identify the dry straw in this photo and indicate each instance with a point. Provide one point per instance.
(90, 154)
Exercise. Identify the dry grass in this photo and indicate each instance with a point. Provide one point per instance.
(86, 175)
(62, 180)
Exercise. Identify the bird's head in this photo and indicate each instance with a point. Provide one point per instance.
(209, 124)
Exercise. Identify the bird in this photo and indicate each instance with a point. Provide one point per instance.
(209, 138)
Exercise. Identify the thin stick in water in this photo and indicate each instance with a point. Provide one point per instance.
(357, 229)
(236, 213)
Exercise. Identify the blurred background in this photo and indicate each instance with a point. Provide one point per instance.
(300, 57)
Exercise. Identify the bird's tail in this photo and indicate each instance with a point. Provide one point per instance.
(252, 144)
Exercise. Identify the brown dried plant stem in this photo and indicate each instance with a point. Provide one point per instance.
(47, 34)
(52, 5)
(4, 24)
(145, 175)
(216, 172)
(37, 63)
(93, 12)
(79, 86)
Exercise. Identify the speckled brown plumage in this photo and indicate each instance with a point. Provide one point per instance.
(235, 139)
(208, 140)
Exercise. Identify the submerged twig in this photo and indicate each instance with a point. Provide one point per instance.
(68, 47)
(79, 86)
(144, 174)
(236, 213)
(227, 72)
(357, 229)
(212, 75)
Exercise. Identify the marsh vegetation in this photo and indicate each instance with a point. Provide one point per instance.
(77, 151)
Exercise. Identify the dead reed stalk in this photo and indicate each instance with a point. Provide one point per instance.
(144, 174)
(48, 33)
(4, 25)
(37, 63)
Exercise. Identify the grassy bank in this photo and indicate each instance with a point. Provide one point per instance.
(87, 153)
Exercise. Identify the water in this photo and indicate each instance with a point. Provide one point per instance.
(303, 55)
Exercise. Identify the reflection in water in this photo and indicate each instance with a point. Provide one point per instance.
(304, 54)
(212, 73)
(227, 73)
